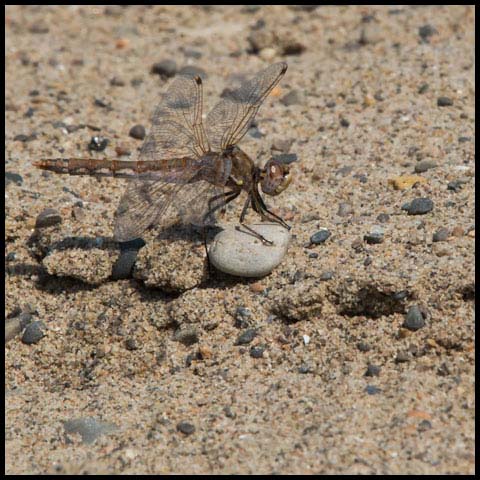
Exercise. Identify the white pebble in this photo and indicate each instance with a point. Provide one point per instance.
(239, 253)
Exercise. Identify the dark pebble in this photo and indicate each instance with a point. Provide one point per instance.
(424, 425)
(424, 165)
(291, 98)
(419, 206)
(373, 238)
(257, 352)
(138, 132)
(34, 332)
(320, 237)
(423, 88)
(254, 132)
(464, 139)
(192, 54)
(186, 428)
(313, 255)
(372, 371)
(246, 337)
(131, 344)
(124, 265)
(101, 103)
(48, 218)
(363, 347)
(242, 317)
(383, 217)
(29, 113)
(10, 257)
(326, 276)
(399, 296)
(187, 336)
(39, 28)
(444, 102)
(455, 185)
(193, 71)
(285, 158)
(331, 104)
(305, 368)
(372, 390)
(441, 235)
(165, 68)
(24, 138)
(117, 82)
(344, 122)
(414, 319)
(98, 144)
(426, 31)
(367, 261)
(11, 177)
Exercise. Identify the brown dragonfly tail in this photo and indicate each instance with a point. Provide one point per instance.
(99, 167)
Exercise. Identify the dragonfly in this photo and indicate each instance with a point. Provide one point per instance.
(193, 166)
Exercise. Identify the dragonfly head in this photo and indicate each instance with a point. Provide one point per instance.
(275, 177)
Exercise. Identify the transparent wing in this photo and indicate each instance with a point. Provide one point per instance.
(149, 196)
(230, 118)
(200, 199)
(177, 129)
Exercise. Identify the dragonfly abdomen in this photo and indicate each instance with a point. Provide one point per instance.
(99, 167)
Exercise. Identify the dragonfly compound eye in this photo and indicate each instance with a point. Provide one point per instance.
(276, 178)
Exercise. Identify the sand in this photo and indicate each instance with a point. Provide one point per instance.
(318, 367)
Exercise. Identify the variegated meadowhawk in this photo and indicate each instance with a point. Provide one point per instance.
(194, 167)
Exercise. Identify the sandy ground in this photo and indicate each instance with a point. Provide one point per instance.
(327, 377)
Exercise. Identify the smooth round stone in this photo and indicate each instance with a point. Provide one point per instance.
(240, 253)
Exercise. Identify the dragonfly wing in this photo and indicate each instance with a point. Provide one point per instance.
(230, 118)
(177, 129)
(149, 196)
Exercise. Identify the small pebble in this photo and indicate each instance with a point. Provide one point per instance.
(291, 98)
(402, 357)
(138, 132)
(344, 122)
(383, 217)
(441, 235)
(24, 138)
(286, 158)
(372, 390)
(239, 253)
(424, 165)
(185, 428)
(456, 185)
(464, 139)
(305, 368)
(48, 218)
(131, 344)
(11, 177)
(444, 102)
(414, 319)
(424, 425)
(165, 68)
(98, 144)
(187, 336)
(372, 371)
(320, 237)
(117, 82)
(246, 337)
(458, 231)
(426, 31)
(34, 332)
(419, 206)
(423, 88)
(375, 236)
(363, 347)
(326, 276)
(257, 352)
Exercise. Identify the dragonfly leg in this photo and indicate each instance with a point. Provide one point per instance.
(251, 230)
